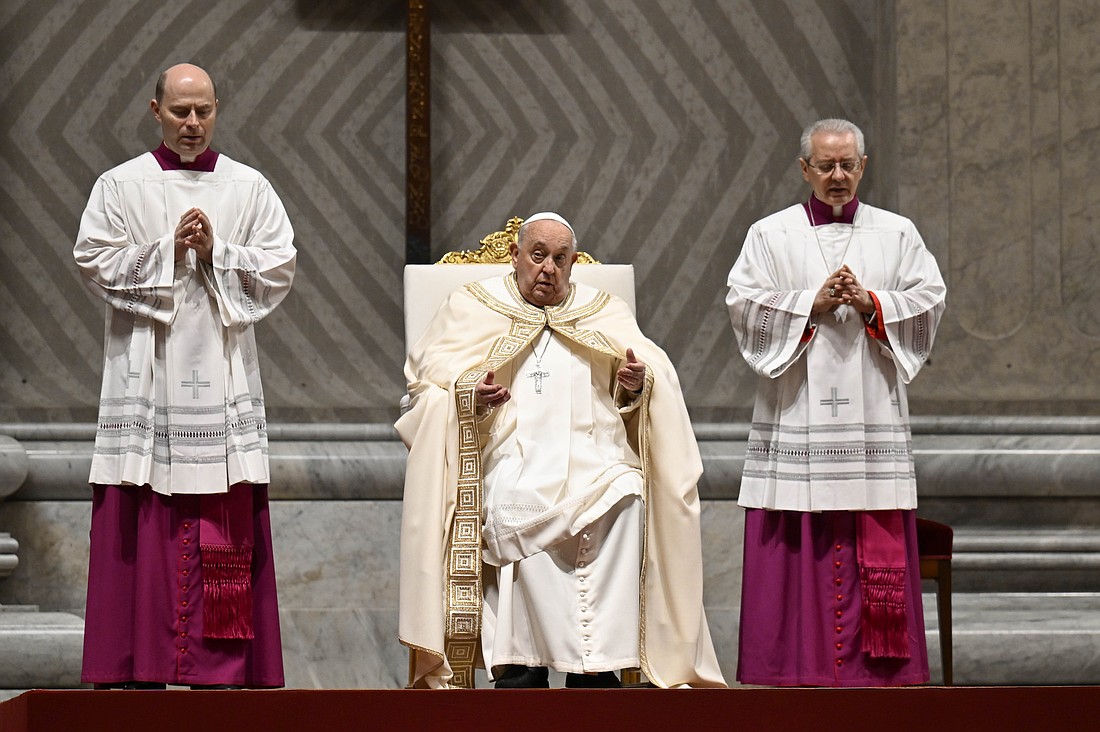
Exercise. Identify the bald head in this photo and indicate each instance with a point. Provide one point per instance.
(176, 72)
(186, 107)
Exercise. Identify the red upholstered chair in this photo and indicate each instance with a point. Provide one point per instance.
(934, 541)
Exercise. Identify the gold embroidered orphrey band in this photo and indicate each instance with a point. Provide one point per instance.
(464, 582)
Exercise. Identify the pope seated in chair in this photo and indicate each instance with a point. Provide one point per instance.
(551, 516)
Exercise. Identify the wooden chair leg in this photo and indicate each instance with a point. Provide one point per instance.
(943, 613)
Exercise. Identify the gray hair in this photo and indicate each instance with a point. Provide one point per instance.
(834, 125)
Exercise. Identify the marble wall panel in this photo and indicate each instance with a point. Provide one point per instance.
(53, 554)
(342, 648)
(337, 552)
(996, 109)
(989, 148)
(1045, 164)
(1078, 31)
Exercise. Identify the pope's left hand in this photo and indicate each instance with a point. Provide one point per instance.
(632, 374)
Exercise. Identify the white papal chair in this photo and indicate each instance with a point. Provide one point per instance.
(426, 286)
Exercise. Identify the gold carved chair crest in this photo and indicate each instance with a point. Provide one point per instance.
(494, 248)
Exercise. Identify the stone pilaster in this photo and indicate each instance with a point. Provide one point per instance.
(13, 471)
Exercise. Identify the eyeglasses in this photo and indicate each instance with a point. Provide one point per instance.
(848, 166)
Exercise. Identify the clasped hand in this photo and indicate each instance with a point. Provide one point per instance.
(843, 288)
(194, 231)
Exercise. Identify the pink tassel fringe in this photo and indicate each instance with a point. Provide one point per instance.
(226, 591)
(884, 627)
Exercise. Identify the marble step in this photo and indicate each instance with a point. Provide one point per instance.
(1027, 559)
(998, 639)
(1019, 638)
(1021, 540)
(39, 649)
(957, 458)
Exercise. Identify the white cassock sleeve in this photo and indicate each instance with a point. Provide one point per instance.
(912, 306)
(132, 275)
(768, 322)
(249, 279)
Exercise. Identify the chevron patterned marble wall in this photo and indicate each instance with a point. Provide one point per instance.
(661, 128)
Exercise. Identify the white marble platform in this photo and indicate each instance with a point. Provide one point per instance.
(999, 639)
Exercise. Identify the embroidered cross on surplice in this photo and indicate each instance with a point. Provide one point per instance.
(834, 401)
(194, 384)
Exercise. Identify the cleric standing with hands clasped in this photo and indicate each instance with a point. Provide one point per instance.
(189, 249)
(834, 305)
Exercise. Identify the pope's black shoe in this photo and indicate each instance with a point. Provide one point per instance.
(523, 677)
(602, 680)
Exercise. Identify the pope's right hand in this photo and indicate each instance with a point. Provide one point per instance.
(491, 395)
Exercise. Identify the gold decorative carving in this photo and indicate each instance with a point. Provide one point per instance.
(494, 248)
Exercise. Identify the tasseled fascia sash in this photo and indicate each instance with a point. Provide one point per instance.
(225, 549)
(880, 542)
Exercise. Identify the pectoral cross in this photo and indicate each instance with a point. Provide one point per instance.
(538, 375)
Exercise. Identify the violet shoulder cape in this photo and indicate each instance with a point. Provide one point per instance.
(472, 332)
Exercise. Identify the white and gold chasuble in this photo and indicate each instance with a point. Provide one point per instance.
(556, 460)
(450, 496)
(182, 407)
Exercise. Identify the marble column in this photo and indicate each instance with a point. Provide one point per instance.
(37, 649)
(13, 471)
